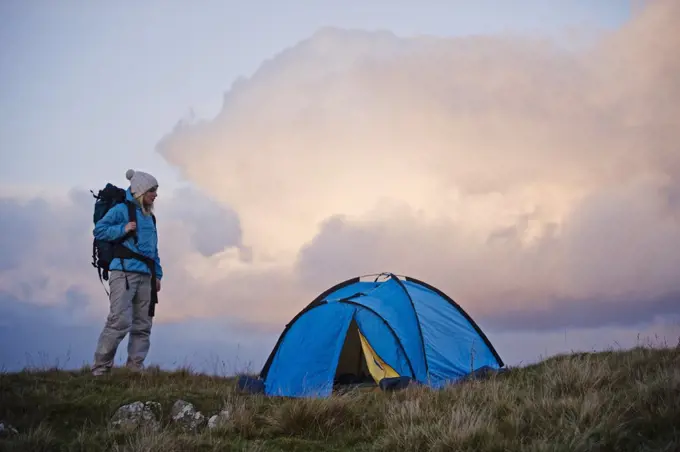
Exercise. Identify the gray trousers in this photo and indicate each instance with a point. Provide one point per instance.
(128, 313)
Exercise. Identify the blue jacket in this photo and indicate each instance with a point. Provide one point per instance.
(112, 227)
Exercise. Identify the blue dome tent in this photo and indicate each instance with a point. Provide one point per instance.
(385, 328)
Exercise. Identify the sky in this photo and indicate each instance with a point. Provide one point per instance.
(520, 156)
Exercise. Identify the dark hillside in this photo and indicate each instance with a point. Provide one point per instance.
(614, 401)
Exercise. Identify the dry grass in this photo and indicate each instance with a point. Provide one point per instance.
(618, 401)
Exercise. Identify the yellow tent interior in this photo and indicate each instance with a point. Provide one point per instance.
(358, 362)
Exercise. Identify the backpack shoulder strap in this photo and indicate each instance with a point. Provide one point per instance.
(132, 215)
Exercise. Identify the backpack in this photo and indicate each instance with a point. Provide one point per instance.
(103, 252)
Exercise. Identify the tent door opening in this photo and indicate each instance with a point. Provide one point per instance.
(358, 364)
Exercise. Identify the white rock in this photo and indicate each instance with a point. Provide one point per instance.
(137, 414)
(7, 430)
(219, 419)
(184, 414)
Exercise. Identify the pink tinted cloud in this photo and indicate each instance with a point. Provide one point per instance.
(511, 172)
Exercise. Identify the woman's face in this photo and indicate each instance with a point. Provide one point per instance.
(150, 196)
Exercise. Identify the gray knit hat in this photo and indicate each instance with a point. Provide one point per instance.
(140, 182)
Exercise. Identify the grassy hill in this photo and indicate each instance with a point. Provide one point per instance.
(618, 401)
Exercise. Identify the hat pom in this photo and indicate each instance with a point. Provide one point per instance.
(129, 174)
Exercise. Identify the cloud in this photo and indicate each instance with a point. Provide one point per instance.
(527, 346)
(213, 226)
(49, 336)
(488, 128)
(622, 312)
(510, 171)
(45, 246)
(536, 185)
(52, 303)
(47, 254)
(589, 275)
(53, 336)
(13, 224)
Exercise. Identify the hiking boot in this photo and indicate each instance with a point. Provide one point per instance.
(101, 372)
(135, 368)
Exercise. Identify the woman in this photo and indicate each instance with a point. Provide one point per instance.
(130, 279)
